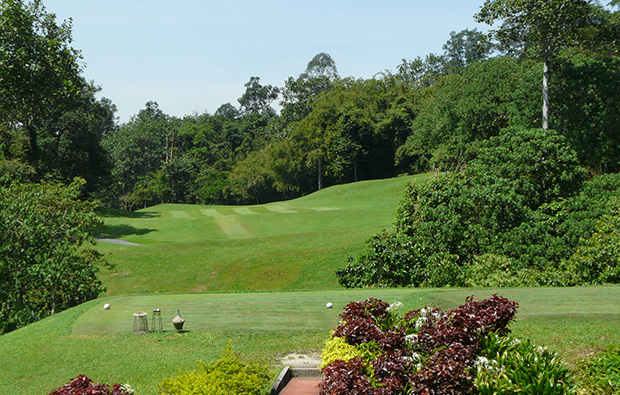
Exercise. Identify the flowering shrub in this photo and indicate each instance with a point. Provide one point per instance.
(508, 365)
(429, 351)
(83, 385)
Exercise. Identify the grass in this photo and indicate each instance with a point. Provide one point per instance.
(263, 327)
(293, 245)
(210, 261)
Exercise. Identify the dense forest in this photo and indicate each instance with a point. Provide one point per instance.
(428, 114)
(521, 123)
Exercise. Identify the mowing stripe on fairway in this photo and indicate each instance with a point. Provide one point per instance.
(179, 214)
(325, 209)
(233, 228)
(228, 224)
(243, 211)
(280, 209)
(211, 212)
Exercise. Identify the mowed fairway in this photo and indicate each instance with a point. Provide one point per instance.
(293, 245)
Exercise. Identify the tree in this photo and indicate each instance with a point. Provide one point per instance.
(257, 98)
(298, 94)
(587, 109)
(41, 88)
(138, 148)
(460, 110)
(541, 29)
(446, 224)
(44, 268)
(464, 48)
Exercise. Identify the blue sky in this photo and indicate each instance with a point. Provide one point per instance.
(195, 55)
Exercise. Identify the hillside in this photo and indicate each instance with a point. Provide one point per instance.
(291, 245)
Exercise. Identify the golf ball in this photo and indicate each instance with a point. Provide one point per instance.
(329, 305)
(106, 306)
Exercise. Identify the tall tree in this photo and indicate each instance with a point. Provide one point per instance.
(41, 88)
(257, 98)
(541, 29)
(464, 48)
(299, 93)
(138, 148)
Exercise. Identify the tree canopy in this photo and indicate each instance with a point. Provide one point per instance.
(46, 105)
(43, 267)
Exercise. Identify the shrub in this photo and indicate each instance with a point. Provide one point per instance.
(83, 385)
(227, 375)
(337, 348)
(427, 351)
(507, 365)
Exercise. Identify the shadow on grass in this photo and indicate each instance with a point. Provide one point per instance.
(120, 231)
(106, 212)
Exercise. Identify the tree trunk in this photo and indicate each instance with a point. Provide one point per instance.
(545, 91)
(320, 175)
(33, 153)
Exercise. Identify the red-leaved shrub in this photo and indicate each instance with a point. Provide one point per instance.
(83, 385)
(426, 351)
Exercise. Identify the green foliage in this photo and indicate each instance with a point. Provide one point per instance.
(602, 374)
(597, 259)
(227, 375)
(588, 109)
(138, 148)
(48, 109)
(509, 219)
(460, 110)
(507, 365)
(299, 94)
(338, 348)
(15, 171)
(43, 267)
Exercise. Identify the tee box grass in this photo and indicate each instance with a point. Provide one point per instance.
(264, 327)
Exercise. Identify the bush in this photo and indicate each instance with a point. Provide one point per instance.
(507, 365)
(428, 351)
(337, 348)
(227, 375)
(83, 385)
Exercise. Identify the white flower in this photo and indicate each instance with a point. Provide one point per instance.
(515, 342)
(410, 339)
(486, 364)
(415, 356)
(419, 323)
(127, 388)
(423, 312)
(396, 305)
(481, 361)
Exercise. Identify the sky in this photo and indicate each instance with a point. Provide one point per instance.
(192, 56)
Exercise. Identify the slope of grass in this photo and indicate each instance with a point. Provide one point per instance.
(293, 245)
(263, 327)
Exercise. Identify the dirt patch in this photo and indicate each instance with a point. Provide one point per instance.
(119, 241)
(302, 360)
